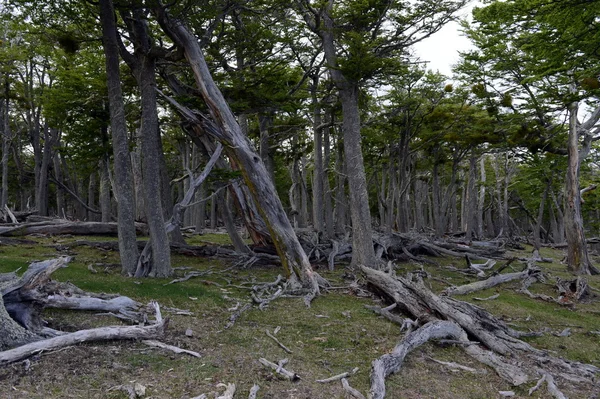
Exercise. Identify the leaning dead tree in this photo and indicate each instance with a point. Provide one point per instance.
(224, 127)
(23, 299)
(486, 338)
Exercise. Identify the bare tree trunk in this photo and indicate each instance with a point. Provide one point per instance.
(136, 165)
(6, 140)
(12, 334)
(537, 237)
(91, 195)
(227, 216)
(471, 215)
(61, 209)
(340, 192)
(143, 65)
(329, 224)
(577, 254)
(128, 249)
(481, 200)
(105, 205)
(318, 175)
(200, 218)
(42, 189)
(264, 126)
(362, 236)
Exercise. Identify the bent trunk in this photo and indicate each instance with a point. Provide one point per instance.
(255, 175)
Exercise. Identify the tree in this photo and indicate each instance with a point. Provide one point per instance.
(549, 53)
(227, 130)
(123, 176)
(360, 41)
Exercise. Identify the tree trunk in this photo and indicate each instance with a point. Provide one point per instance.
(143, 65)
(318, 175)
(264, 125)
(481, 200)
(227, 216)
(471, 216)
(577, 254)
(362, 236)
(12, 334)
(42, 188)
(105, 205)
(329, 224)
(61, 207)
(293, 257)
(128, 249)
(6, 140)
(340, 215)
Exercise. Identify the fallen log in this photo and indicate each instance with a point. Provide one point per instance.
(492, 282)
(94, 334)
(392, 362)
(62, 227)
(508, 355)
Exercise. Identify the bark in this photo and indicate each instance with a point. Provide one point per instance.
(471, 209)
(143, 65)
(319, 173)
(122, 162)
(6, 141)
(238, 147)
(481, 199)
(42, 188)
(92, 335)
(340, 212)
(492, 282)
(392, 362)
(61, 226)
(329, 224)
(264, 126)
(105, 205)
(226, 215)
(12, 333)
(578, 260)
(508, 355)
(537, 230)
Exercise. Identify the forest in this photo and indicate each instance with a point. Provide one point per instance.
(178, 155)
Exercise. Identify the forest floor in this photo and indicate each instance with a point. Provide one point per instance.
(335, 335)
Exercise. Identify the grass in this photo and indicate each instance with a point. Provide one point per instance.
(333, 336)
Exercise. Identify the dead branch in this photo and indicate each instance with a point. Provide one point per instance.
(454, 366)
(229, 391)
(351, 391)
(491, 282)
(339, 376)
(285, 348)
(253, 391)
(175, 349)
(385, 312)
(94, 334)
(290, 375)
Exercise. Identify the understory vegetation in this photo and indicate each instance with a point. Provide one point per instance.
(335, 335)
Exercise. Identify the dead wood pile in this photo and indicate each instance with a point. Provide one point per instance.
(23, 331)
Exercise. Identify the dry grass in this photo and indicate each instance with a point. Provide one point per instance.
(335, 335)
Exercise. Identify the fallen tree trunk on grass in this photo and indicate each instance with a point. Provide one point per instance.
(62, 226)
(530, 272)
(392, 362)
(22, 300)
(95, 334)
(514, 360)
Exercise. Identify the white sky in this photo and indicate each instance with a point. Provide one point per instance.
(441, 49)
